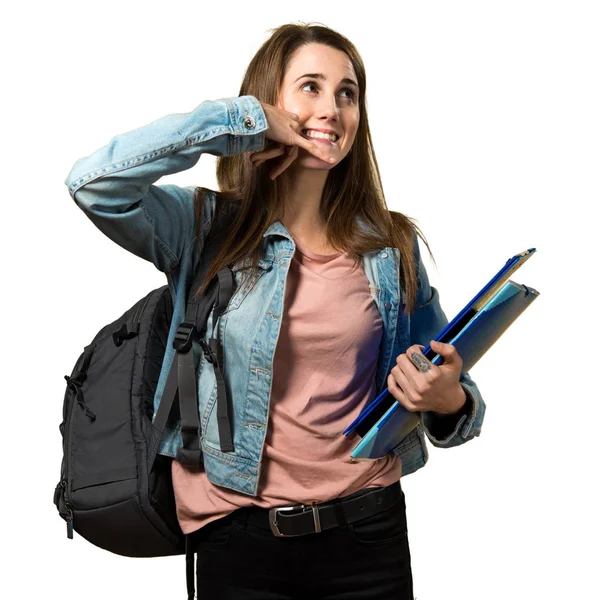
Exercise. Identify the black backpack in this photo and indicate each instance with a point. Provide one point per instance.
(115, 490)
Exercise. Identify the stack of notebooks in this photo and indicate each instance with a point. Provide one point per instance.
(384, 423)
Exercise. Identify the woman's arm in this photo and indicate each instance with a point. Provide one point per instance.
(428, 320)
(115, 187)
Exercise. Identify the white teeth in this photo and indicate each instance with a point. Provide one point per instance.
(319, 134)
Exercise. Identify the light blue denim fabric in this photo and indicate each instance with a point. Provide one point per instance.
(115, 187)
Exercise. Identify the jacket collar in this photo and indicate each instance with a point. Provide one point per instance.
(277, 228)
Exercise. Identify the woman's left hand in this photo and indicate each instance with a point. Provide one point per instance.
(420, 385)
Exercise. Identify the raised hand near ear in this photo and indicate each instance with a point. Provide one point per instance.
(285, 133)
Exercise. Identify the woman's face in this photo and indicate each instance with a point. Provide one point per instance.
(320, 86)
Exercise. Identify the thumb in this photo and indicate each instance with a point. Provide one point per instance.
(445, 350)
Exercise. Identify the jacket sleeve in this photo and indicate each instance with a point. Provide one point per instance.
(425, 324)
(115, 186)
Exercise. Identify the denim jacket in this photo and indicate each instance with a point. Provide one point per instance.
(116, 187)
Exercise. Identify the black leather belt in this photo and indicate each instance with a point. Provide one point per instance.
(291, 521)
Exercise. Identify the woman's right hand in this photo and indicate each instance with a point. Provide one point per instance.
(284, 131)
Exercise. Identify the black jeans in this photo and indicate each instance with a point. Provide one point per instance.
(364, 560)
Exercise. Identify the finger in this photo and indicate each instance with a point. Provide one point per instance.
(418, 359)
(313, 148)
(259, 157)
(415, 383)
(279, 169)
(441, 348)
(258, 162)
(397, 392)
(448, 352)
(408, 378)
(414, 363)
(262, 160)
(291, 155)
(273, 147)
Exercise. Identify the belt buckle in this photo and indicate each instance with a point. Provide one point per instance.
(273, 519)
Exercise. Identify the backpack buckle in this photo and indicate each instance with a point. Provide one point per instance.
(189, 458)
(125, 332)
(209, 353)
(184, 336)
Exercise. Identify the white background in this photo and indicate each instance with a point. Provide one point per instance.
(485, 118)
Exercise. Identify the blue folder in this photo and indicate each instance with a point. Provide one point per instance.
(384, 423)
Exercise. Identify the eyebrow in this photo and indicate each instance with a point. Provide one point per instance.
(322, 77)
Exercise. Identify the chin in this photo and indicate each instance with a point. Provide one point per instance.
(312, 162)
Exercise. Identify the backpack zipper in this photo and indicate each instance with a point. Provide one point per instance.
(69, 521)
(65, 482)
(140, 310)
(61, 492)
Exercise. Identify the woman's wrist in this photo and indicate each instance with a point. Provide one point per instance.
(460, 406)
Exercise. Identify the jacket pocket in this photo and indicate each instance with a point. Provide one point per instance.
(245, 280)
(210, 429)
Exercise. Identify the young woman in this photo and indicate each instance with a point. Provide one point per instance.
(332, 305)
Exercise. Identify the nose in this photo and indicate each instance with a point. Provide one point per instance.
(328, 108)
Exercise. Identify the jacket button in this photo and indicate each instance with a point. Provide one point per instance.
(249, 122)
(388, 305)
(384, 255)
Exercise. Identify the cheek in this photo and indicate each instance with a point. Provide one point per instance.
(351, 129)
(294, 107)
(349, 142)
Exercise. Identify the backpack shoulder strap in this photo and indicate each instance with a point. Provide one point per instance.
(182, 377)
(225, 214)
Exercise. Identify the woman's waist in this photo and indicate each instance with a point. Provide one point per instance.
(282, 483)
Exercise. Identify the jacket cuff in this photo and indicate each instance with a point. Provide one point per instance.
(441, 427)
(452, 430)
(248, 123)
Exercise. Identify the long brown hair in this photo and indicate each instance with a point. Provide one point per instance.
(353, 187)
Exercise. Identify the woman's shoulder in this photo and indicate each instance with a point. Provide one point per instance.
(213, 200)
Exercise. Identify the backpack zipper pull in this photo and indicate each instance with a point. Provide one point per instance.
(74, 384)
(69, 511)
(69, 522)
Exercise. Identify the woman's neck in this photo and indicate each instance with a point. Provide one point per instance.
(302, 205)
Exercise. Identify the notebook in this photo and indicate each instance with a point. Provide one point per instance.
(384, 422)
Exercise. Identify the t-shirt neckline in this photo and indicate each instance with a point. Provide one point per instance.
(310, 254)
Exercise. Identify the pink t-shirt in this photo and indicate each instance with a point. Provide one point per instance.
(323, 375)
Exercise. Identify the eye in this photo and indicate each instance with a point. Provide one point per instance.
(351, 91)
(309, 83)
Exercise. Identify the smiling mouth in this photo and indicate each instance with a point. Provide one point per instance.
(321, 139)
